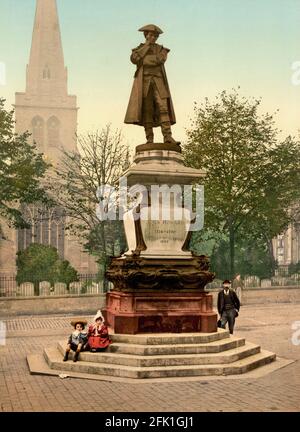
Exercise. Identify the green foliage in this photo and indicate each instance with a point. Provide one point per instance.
(250, 259)
(106, 239)
(252, 179)
(294, 268)
(21, 169)
(64, 272)
(40, 263)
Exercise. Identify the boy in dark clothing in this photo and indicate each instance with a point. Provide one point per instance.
(77, 339)
(228, 306)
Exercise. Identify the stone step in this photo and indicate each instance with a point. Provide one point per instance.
(38, 366)
(170, 338)
(228, 356)
(211, 347)
(178, 349)
(54, 360)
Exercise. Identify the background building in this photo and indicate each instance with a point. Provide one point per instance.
(50, 114)
(286, 247)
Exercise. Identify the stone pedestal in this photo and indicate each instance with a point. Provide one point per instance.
(160, 312)
(158, 284)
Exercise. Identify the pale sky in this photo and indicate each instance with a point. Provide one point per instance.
(215, 45)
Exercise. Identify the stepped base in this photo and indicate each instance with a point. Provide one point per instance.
(38, 366)
(158, 356)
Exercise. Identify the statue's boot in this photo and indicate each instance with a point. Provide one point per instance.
(167, 134)
(149, 133)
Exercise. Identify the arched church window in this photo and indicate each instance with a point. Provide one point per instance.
(26, 235)
(57, 229)
(37, 127)
(53, 126)
(47, 227)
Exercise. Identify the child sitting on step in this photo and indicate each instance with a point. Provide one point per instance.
(77, 340)
(98, 338)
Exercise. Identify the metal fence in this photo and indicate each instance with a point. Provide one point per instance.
(8, 286)
(86, 284)
(256, 282)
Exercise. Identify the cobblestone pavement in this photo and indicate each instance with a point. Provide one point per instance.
(269, 325)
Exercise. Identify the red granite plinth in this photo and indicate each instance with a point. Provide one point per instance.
(160, 312)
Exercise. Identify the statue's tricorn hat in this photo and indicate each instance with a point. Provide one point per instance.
(152, 28)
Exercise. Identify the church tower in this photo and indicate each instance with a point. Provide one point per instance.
(46, 109)
(49, 113)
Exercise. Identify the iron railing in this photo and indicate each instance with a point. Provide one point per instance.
(86, 284)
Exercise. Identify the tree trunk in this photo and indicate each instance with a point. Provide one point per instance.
(271, 255)
(36, 288)
(231, 243)
(105, 281)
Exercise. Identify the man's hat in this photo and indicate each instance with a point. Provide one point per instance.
(78, 321)
(226, 281)
(152, 28)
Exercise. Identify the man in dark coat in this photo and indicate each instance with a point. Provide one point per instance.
(150, 103)
(228, 306)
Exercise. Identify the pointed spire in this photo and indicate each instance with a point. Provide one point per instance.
(46, 73)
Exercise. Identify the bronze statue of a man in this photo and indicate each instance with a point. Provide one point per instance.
(150, 103)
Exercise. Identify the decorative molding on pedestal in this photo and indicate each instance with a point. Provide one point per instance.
(160, 164)
(136, 272)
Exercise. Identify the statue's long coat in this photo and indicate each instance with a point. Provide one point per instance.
(134, 114)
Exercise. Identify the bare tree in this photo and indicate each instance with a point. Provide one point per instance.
(74, 184)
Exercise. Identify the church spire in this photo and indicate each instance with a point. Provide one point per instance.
(46, 73)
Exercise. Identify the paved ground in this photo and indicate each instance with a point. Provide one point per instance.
(269, 325)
